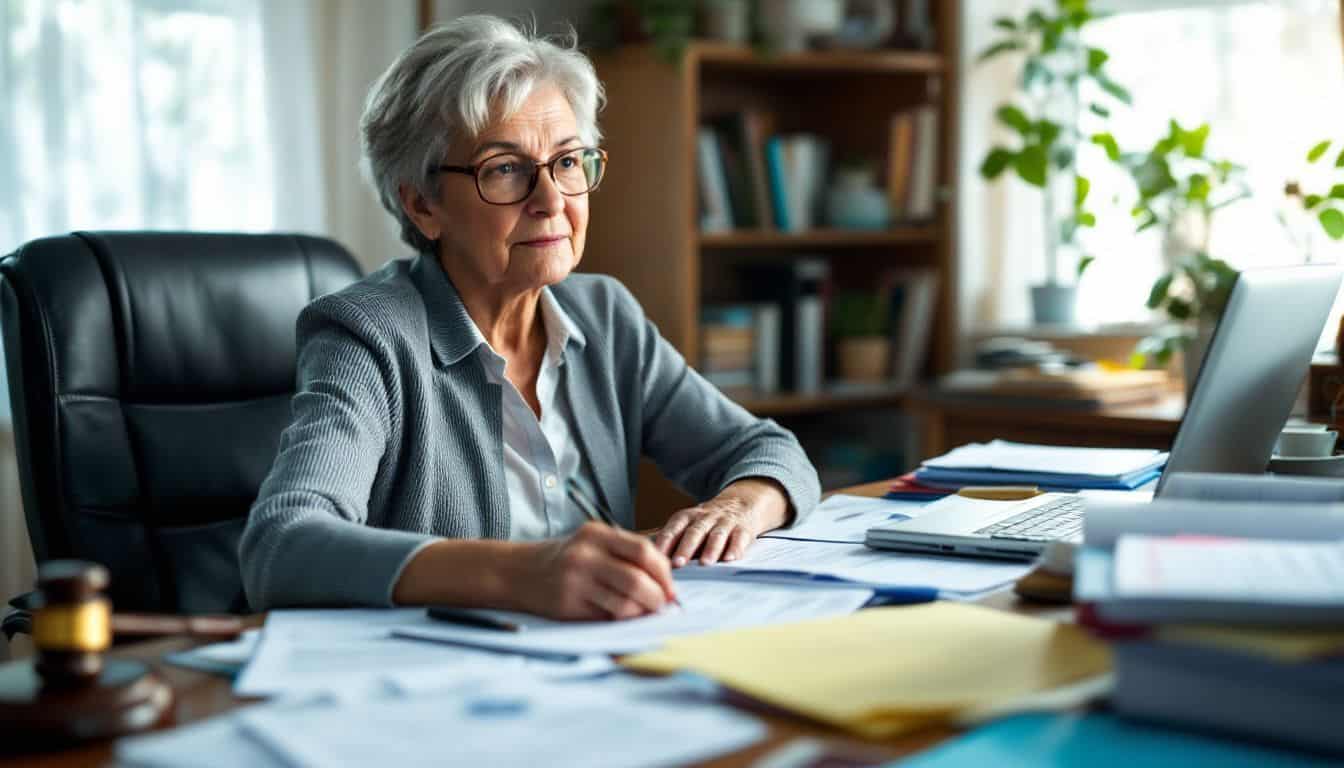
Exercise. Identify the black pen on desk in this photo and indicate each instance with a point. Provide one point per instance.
(471, 618)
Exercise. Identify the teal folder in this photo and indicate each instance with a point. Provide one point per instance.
(1100, 741)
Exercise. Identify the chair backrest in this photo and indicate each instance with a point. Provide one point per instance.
(150, 376)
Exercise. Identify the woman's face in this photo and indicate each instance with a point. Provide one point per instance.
(525, 245)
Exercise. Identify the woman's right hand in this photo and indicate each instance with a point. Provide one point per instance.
(599, 572)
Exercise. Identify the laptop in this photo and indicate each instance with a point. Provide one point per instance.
(1243, 394)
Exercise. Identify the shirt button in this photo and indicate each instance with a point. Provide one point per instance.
(550, 481)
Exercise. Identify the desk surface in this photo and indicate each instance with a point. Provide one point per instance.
(200, 695)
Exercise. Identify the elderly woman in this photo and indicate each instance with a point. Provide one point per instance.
(469, 422)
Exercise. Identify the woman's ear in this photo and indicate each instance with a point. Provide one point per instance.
(420, 211)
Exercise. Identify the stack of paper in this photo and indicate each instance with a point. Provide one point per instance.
(888, 671)
(1255, 561)
(1049, 467)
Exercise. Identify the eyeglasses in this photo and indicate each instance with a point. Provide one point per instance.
(510, 178)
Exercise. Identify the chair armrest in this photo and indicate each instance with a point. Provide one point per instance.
(16, 622)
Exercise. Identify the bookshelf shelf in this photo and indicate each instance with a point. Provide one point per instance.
(837, 238)
(723, 56)
(823, 402)
(645, 222)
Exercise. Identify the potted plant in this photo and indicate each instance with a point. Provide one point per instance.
(859, 323)
(1327, 207)
(1064, 82)
(1180, 189)
(667, 24)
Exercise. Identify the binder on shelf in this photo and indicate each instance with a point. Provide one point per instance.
(799, 290)
(717, 214)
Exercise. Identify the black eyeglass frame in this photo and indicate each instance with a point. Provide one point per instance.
(474, 172)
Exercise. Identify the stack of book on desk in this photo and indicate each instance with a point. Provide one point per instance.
(1083, 388)
(1227, 614)
(1048, 467)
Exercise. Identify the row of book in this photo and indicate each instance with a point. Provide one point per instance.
(777, 339)
(752, 178)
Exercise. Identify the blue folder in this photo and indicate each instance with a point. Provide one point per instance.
(1049, 481)
(1099, 740)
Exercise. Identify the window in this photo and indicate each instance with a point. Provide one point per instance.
(1268, 77)
(132, 114)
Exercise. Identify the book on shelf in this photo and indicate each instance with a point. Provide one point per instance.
(914, 297)
(739, 348)
(716, 213)
(797, 167)
(912, 164)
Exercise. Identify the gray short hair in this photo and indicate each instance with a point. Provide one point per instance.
(445, 88)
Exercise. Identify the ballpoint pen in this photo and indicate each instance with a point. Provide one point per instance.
(596, 511)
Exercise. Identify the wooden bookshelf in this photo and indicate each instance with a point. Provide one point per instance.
(644, 224)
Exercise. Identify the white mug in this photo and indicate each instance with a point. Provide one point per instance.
(1306, 442)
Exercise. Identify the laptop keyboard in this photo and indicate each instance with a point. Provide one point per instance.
(1060, 518)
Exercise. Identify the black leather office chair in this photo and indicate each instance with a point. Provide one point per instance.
(150, 376)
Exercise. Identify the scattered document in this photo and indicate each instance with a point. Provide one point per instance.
(846, 519)
(888, 671)
(511, 723)
(226, 658)
(705, 606)
(351, 653)
(1004, 456)
(1204, 568)
(951, 576)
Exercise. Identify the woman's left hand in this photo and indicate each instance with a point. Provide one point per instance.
(723, 527)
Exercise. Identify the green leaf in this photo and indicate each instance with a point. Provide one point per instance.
(1081, 186)
(1062, 156)
(1337, 192)
(1099, 110)
(1339, 161)
(1179, 309)
(1031, 164)
(1199, 188)
(1006, 24)
(1159, 292)
(1154, 177)
(1003, 46)
(1311, 201)
(1087, 219)
(1107, 141)
(1051, 36)
(1095, 59)
(997, 160)
(1033, 71)
(1149, 222)
(1333, 221)
(1014, 118)
(1084, 263)
(1047, 130)
(1317, 151)
(1193, 141)
(1036, 19)
(1117, 91)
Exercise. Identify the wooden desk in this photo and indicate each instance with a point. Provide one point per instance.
(948, 423)
(200, 695)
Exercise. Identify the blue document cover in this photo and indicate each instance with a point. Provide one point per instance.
(1099, 740)
(963, 477)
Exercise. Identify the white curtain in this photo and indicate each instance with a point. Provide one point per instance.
(1268, 75)
(236, 115)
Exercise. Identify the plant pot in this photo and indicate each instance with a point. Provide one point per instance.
(1053, 304)
(788, 26)
(865, 358)
(1192, 355)
(727, 20)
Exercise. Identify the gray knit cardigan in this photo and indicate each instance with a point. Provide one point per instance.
(396, 437)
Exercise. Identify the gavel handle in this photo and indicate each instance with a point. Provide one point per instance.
(222, 627)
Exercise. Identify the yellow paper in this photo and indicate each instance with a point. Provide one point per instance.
(887, 671)
(1288, 645)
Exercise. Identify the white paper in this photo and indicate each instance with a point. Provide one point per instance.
(1217, 487)
(214, 743)
(509, 723)
(351, 653)
(706, 606)
(1021, 457)
(878, 568)
(1202, 568)
(1105, 522)
(225, 658)
(846, 519)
